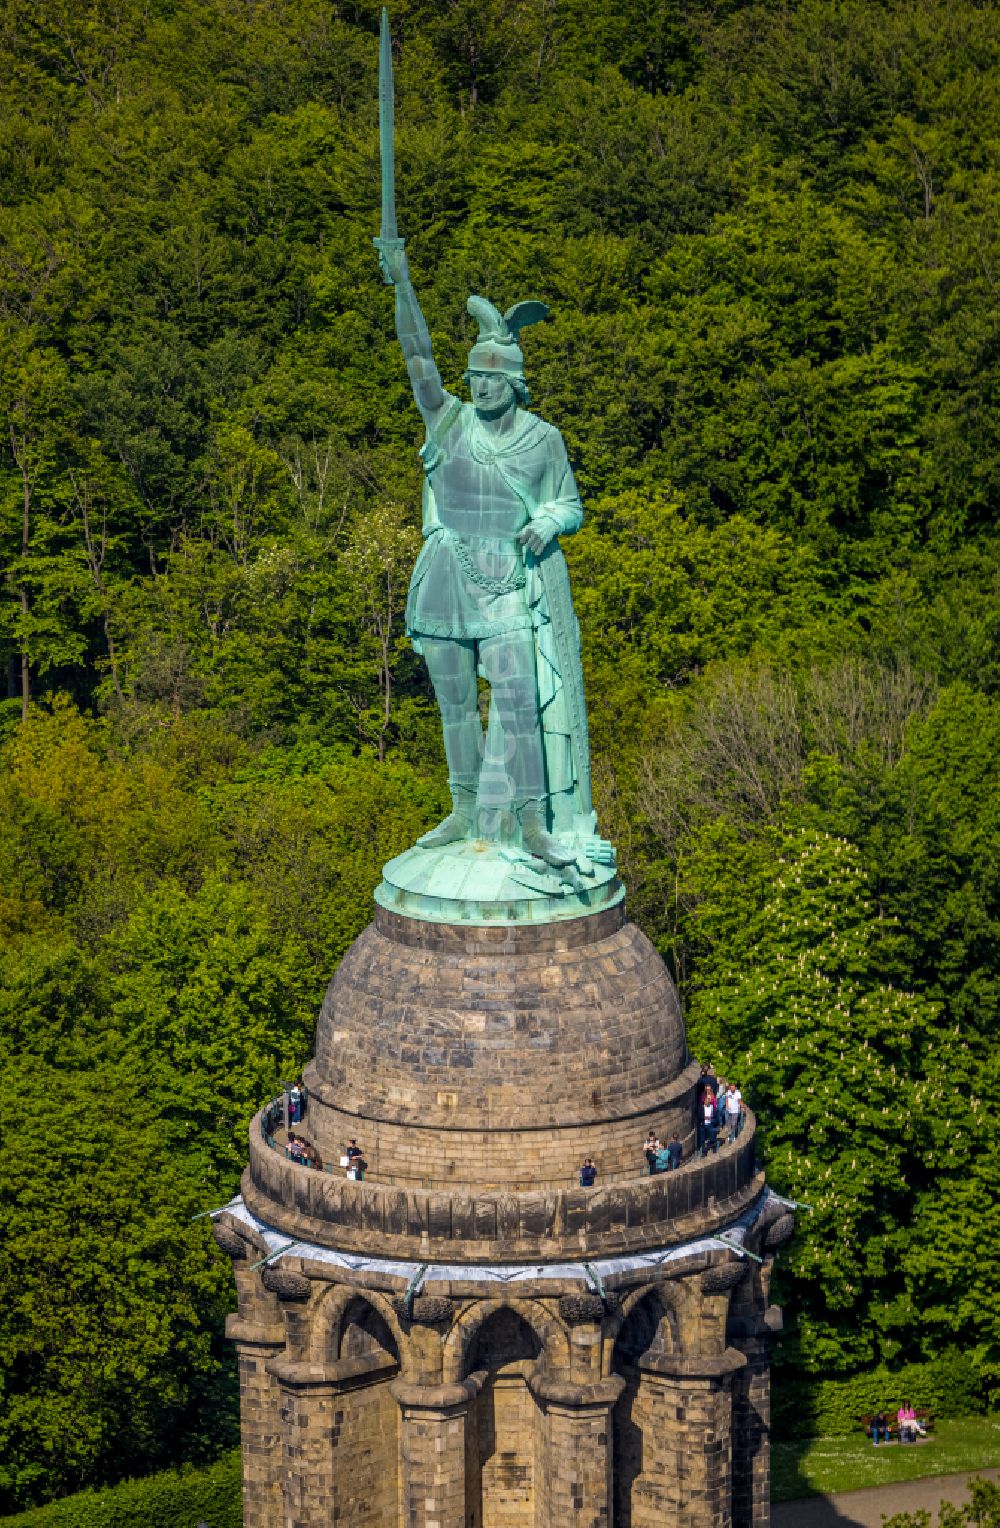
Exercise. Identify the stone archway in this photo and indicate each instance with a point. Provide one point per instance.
(645, 1325)
(364, 1421)
(365, 1332)
(461, 1339)
(503, 1439)
(341, 1306)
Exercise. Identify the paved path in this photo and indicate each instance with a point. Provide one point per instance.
(864, 1509)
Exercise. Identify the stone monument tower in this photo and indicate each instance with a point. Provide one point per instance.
(460, 1333)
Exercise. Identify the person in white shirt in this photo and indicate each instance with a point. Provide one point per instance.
(708, 1134)
(734, 1108)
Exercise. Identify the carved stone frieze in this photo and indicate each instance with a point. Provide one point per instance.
(426, 1310)
(575, 1309)
(724, 1277)
(780, 1232)
(232, 1245)
(286, 1284)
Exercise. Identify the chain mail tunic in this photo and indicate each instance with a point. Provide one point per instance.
(471, 580)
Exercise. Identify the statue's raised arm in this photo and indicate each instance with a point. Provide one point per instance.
(414, 335)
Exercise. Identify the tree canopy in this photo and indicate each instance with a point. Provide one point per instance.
(769, 238)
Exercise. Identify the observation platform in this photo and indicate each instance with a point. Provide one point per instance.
(544, 1222)
(476, 1066)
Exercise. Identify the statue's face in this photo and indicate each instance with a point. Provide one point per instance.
(491, 392)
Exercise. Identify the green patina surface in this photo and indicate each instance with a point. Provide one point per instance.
(480, 881)
(490, 598)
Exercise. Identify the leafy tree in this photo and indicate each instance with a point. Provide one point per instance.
(768, 237)
(793, 997)
(111, 1332)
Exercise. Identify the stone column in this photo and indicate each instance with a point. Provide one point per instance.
(687, 1439)
(308, 1446)
(332, 1457)
(433, 1424)
(575, 1462)
(752, 1335)
(257, 1345)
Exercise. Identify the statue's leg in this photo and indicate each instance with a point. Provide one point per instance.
(562, 790)
(508, 662)
(496, 797)
(451, 663)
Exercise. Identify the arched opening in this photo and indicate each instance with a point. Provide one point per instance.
(504, 1338)
(364, 1331)
(365, 1421)
(502, 1441)
(648, 1328)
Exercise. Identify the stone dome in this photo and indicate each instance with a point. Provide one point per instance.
(499, 1054)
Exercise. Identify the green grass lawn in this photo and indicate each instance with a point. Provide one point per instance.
(810, 1468)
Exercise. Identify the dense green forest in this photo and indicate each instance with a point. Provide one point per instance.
(770, 238)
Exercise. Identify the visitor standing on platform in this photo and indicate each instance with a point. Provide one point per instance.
(708, 1134)
(354, 1161)
(649, 1150)
(734, 1110)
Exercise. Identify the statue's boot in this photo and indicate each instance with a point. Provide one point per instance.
(460, 822)
(536, 840)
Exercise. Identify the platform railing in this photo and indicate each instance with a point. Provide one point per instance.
(273, 1118)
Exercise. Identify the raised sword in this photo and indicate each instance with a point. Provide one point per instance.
(388, 240)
